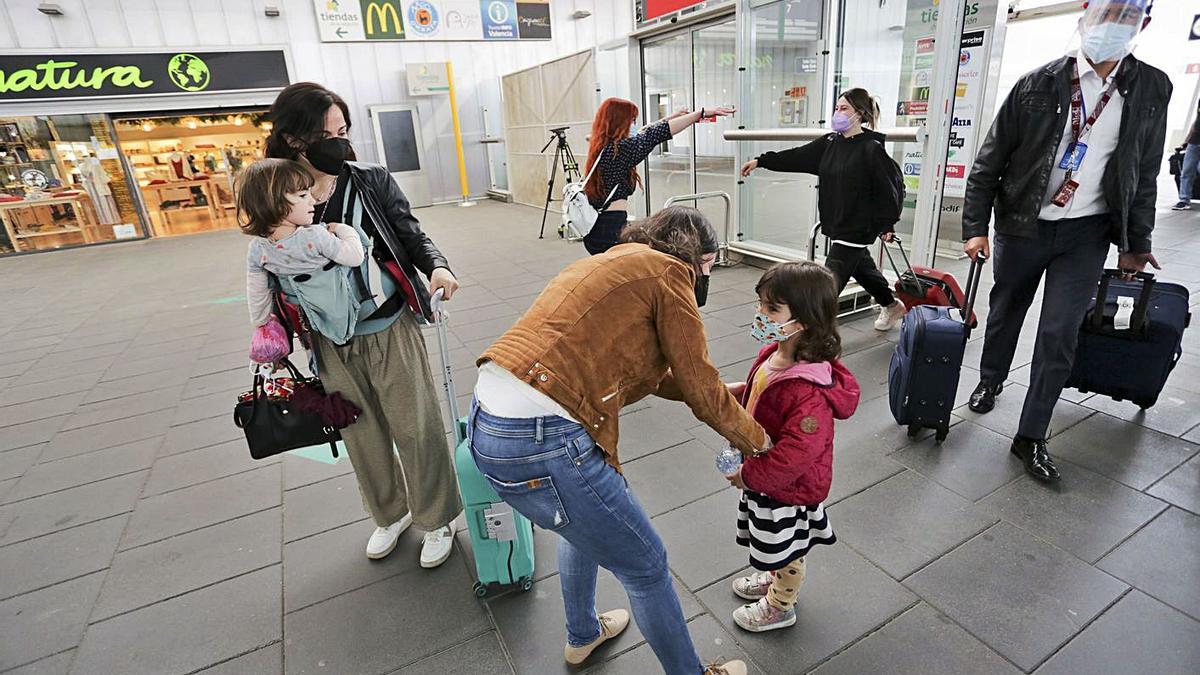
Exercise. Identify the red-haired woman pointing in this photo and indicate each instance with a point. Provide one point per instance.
(619, 151)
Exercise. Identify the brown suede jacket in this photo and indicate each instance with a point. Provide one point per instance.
(613, 329)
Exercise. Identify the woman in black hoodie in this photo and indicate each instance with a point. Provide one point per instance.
(857, 200)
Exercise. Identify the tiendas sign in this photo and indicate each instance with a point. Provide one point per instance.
(51, 76)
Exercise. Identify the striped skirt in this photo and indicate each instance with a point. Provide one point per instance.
(778, 533)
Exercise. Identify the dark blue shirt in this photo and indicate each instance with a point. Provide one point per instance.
(618, 158)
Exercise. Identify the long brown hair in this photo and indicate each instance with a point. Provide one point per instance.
(610, 125)
(298, 118)
(864, 104)
(809, 292)
(675, 230)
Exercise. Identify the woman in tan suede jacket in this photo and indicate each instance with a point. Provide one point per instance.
(608, 331)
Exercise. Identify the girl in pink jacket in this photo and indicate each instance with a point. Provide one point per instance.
(796, 389)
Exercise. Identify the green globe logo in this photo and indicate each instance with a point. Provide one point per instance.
(188, 72)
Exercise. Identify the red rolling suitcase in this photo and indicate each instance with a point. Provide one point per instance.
(926, 285)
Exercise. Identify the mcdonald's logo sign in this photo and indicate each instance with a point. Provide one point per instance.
(381, 19)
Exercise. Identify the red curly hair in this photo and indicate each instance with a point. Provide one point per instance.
(611, 124)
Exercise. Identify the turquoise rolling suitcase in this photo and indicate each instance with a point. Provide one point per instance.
(501, 538)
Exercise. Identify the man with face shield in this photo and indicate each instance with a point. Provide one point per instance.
(1069, 167)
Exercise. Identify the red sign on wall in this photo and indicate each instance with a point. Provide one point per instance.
(657, 8)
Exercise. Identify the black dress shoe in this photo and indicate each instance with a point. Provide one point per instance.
(983, 399)
(1036, 458)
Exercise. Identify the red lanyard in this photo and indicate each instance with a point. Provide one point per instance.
(1078, 127)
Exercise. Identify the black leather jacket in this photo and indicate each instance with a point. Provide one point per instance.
(389, 222)
(1012, 169)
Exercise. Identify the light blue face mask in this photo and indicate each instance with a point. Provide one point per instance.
(1108, 41)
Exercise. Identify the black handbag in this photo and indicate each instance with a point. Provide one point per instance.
(275, 425)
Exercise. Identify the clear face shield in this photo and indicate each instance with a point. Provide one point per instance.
(1109, 28)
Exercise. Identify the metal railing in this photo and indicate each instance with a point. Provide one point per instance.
(723, 245)
(898, 135)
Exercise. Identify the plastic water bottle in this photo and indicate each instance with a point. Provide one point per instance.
(728, 460)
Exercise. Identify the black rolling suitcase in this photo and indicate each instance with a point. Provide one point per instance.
(923, 375)
(1131, 338)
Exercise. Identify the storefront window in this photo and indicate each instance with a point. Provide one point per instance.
(62, 183)
(185, 165)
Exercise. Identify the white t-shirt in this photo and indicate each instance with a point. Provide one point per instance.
(500, 393)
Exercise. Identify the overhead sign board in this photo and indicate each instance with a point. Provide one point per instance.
(436, 20)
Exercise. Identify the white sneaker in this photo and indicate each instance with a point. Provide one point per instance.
(437, 547)
(383, 541)
(889, 317)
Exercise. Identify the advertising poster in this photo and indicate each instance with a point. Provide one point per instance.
(432, 20)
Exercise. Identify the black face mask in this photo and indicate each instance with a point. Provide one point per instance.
(329, 154)
(701, 290)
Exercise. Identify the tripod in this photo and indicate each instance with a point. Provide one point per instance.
(563, 156)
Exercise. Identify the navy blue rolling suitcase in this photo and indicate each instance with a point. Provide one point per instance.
(923, 376)
(1130, 362)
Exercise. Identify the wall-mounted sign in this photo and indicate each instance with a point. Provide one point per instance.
(427, 79)
(652, 9)
(444, 20)
(55, 76)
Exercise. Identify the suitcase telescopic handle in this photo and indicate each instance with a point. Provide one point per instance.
(1138, 320)
(974, 277)
(903, 253)
(438, 304)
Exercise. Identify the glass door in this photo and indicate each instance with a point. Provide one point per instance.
(667, 70)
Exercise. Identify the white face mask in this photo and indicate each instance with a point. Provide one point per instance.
(1108, 41)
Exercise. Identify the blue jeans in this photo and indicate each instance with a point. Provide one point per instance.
(1187, 176)
(551, 471)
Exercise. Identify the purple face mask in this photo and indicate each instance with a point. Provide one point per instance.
(841, 122)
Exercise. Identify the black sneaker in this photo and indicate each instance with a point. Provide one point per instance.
(1182, 206)
(983, 399)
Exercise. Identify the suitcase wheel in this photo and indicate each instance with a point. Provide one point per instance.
(913, 430)
(526, 583)
(942, 433)
(1146, 404)
(480, 590)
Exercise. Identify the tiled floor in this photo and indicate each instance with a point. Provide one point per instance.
(136, 535)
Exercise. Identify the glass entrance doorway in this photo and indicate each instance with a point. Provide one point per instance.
(688, 70)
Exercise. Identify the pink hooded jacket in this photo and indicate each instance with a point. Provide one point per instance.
(797, 409)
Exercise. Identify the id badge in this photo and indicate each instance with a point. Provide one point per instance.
(1073, 157)
(1065, 193)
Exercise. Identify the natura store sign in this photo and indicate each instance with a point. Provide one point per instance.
(59, 76)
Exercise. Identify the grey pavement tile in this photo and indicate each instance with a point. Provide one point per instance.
(74, 349)
(14, 463)
(123, 408)
(225, 381)
(107, 435)
(47, 560)
(1176, 412)
(488, 329)
(33, 411)
(224, 343)
(1128, 453)
(479, 656)
(12, 372)
(906, 521)
(715, 327)
(1162, 560)
(870, 368)
(6, 486)
(713, 643)
(321, 506)
(202, 505)
(430, 610)
(332, 563)
(137, 384)
(534, 627)
(300, 471)
(183, 348)
(24, 355)
(148, 574)
(53, 368)
(700, 539)
(828, 618)
(51, 389)
(1006, 416)
(674, 477)
(202, 433)
(208, 406)
(973, 461)
(643, 432)
(220, 363)
(1021, 376)
(71, 472)
(46, 622)
(1084, 513)
(200, 466)
(1033, 598)
(727, 299)
(1137, 635)
(732, 349)
(1181, 487)
(30, 433)
(59, 664)
(128, 368)
(265, 661)
(189, 632)
(922, 640)
(70, 508)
